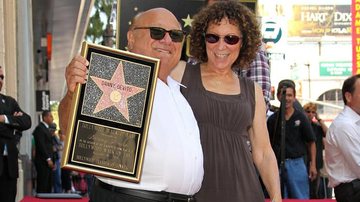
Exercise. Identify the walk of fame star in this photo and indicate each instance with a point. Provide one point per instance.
(115, 92)
(187, 21)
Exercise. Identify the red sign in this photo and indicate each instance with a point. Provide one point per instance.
(49, 45)
(355, 25)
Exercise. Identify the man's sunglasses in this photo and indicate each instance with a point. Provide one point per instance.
(158, 33)
(229, 39)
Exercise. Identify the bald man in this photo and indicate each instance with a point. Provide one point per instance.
(172, 169)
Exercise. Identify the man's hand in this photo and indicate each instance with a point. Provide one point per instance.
(18, 114)
(51, 164)
(76, 72)
(312, 172)
(2, 116)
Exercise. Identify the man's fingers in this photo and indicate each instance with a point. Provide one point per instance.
(18, 114)
(81, 59)
(76, 72)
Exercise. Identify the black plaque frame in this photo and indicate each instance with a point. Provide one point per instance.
(107, 136)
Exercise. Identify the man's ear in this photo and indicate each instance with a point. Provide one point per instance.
(130, 38)
(348, 97)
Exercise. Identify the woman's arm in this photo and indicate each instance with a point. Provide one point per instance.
(263, 155)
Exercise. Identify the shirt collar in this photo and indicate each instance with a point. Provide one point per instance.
(47, 126)
(173, 83)
(353, 115)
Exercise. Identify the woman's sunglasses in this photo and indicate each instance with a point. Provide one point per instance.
(158, 33)
(229, 39)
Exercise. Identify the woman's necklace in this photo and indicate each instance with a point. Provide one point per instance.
(222, 79)
(219, 79)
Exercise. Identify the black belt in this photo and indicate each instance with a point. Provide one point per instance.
(355, 185)
(150, 195)
(348, 191)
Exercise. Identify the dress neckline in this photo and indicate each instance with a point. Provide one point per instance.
(201, 84)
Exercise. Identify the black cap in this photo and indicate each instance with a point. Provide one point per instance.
(285, 83)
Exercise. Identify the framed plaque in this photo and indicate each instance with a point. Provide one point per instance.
(110, 114)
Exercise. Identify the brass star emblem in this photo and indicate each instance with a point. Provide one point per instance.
(115, 92)
(187, 21)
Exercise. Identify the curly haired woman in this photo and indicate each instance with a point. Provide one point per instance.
(230, 111)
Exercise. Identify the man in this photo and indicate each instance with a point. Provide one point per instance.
(12, 118)
(259, 71)
(44, 153)
(299, 138)
(172, 169)
(342, 145)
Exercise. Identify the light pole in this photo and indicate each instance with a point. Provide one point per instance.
(309, 79)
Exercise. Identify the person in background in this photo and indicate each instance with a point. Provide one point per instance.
(259, 71)
(12, 118)
(230, 110)
(57, 150)
(320, 129)
(44, 154)
(299, 139)
(65, 173)
(342, 153)
(173, 161)
(33, 168)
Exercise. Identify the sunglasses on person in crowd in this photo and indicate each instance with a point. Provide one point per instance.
(158, 33)
(308, 111)
(229, 39)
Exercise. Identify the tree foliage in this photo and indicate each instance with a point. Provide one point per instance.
(95, 28)
(97, 25)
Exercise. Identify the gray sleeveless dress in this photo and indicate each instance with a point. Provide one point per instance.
(224, 120)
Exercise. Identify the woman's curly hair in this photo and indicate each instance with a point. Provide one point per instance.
(238, 14)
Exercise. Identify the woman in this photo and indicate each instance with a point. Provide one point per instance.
(316, 190)
(230, 110)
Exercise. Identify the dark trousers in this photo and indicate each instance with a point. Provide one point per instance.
(99, 194)
(65, 180)
(44, 177)
(348, 192)
(7, 185)
(315, 187)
